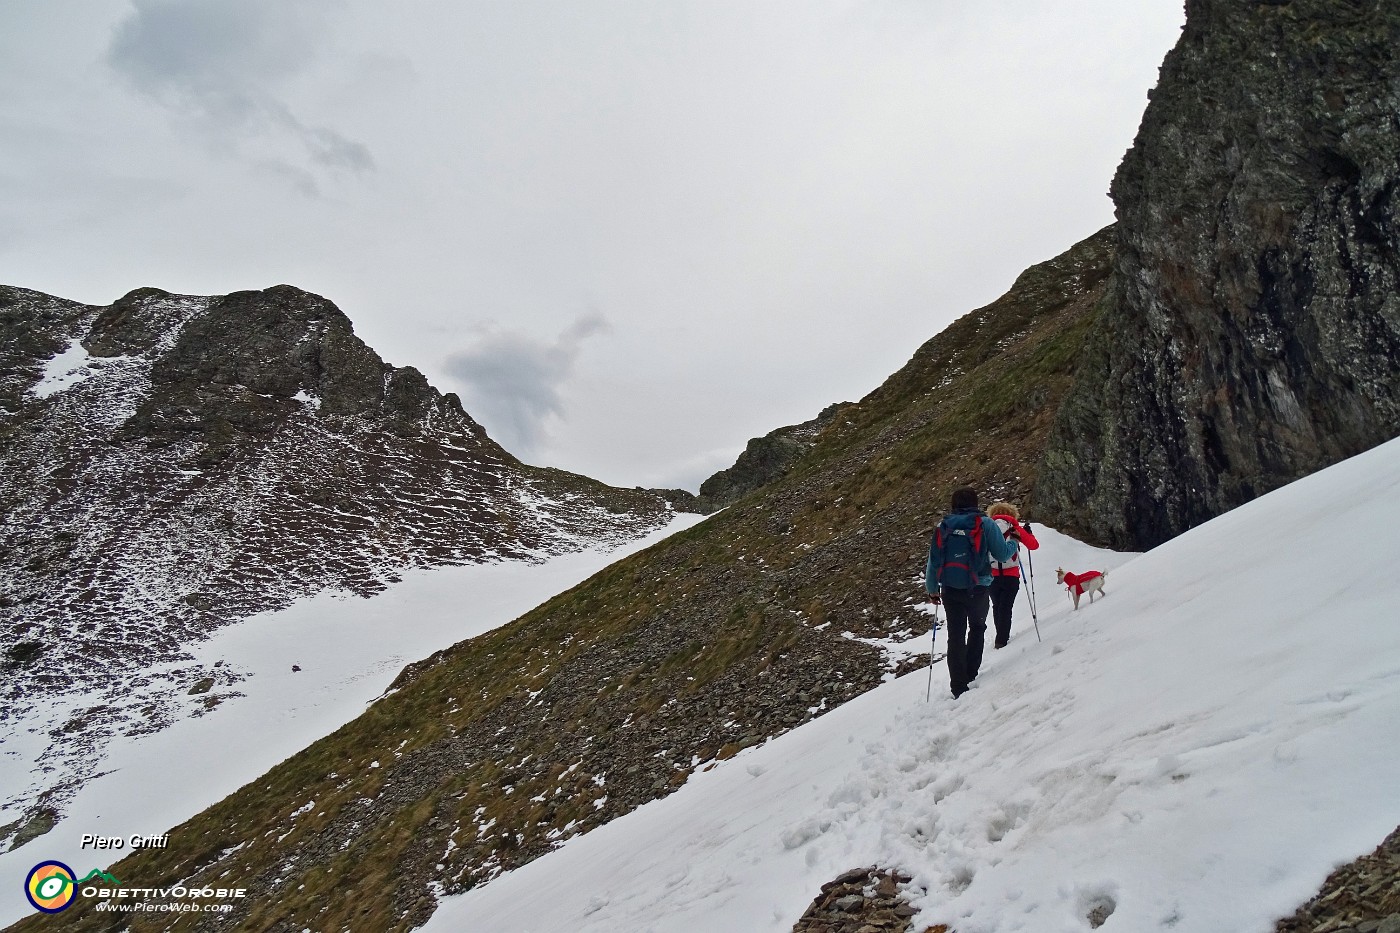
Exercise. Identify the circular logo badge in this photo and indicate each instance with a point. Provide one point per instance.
(50, 887)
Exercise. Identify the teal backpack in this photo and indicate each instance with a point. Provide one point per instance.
(959, 538)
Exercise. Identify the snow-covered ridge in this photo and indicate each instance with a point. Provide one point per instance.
(1193, 752)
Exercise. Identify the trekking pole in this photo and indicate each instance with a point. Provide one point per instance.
(932, 636)
(1030, 597)
(1030, 589)
(1030, 563)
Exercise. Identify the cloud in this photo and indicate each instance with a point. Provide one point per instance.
(226, 65)
(293, 176)
(514, 382)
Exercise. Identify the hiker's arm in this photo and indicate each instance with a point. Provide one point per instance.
(1027, 538)
(935, 560)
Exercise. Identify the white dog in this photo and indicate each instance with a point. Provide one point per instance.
(1091, 582)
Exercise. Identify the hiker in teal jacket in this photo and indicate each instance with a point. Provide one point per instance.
(958, 572)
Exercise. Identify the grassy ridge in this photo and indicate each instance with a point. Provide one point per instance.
(610, 694)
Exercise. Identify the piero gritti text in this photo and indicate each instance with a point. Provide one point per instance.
(90, 841)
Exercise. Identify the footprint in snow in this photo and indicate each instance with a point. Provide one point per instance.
(1097, 903)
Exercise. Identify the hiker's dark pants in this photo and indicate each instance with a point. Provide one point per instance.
(967, 629)
(1003, 593)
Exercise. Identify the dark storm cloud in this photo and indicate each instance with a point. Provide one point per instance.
(515, 382)
(225, 63)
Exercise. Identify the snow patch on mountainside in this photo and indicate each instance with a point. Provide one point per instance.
(65, 370)
(1194, 752)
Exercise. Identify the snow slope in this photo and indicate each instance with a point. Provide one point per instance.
(1193, 752)
(349, 649)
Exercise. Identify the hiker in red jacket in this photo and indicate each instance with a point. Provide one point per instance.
(1006, 574)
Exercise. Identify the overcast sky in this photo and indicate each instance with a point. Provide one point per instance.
(630, 233)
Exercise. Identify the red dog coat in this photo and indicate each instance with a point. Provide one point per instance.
(1076, 581)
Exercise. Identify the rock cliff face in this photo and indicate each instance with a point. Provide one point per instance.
(169, 464)
(1251, 334)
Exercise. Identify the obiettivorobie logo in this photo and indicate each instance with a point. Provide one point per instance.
(51, 886)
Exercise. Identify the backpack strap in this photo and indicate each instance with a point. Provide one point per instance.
(1010, 567)
(938, 543)
(980, 547)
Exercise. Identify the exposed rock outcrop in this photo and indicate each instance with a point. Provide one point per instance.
(1360, 897)
(863, 900)
(765, 460)
(1251, 334)
(238, 371)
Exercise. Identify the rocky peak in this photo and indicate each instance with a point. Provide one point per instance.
(253, 359)
(1251, 334)
(170, 464)
(134, 324)
(763, 461)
